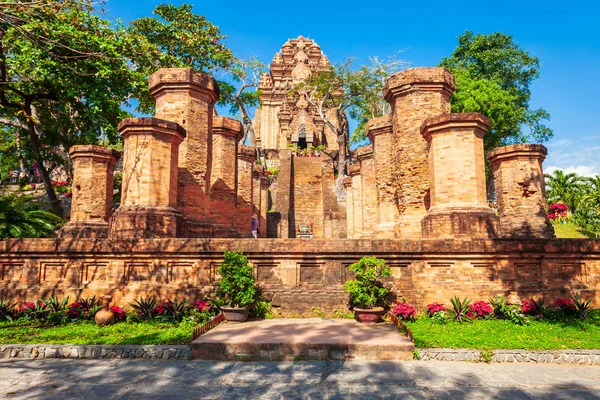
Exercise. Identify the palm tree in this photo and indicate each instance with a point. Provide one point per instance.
(19, 219)
(591, 197)
(564, 188)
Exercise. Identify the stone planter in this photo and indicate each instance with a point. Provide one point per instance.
(235, 314)
(368, 315)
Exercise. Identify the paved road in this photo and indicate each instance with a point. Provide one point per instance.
(131, 379)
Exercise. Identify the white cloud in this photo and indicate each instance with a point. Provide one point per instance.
(581, 170)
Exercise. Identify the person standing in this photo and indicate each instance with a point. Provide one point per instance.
(254, 226)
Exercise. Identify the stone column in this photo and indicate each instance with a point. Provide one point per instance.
(187, 97)
(459, 207)
(92, 201)
(356, 207)
(414, 95)
(349, 207)
(149, 192)
(380, 133)
(521, 190)
(226, 134)
(246, 160)
(369, 207)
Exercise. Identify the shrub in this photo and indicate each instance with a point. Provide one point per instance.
(7, 309)
(34, 311)
(435, 308)
(236, 285)
(144, 307)
(557, 212)
(533, 307)
(119, 313)
(57, 310)
(84, 309)
(171, 310)
(502, 310)
(366, 290)
(405, 311)
(202, 305)
(581, 307)
(19, 218)
(481, 309)
(460, 308)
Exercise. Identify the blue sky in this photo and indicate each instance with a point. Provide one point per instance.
(564, 35)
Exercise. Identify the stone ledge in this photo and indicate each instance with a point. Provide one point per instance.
(575, 356)
(41, 351)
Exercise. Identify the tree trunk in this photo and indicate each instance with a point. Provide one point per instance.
(342, 135)
(34, 136)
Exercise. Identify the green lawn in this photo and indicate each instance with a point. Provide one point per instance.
(571, 231)
(89, 333)
(502, 334)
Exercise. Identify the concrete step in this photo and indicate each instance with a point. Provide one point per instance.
(296, 339)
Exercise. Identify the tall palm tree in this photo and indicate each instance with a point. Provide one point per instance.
(19, 219)
(564, 188)
(591, 197)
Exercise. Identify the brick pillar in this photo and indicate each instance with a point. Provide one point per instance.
(226, 134)
(149, 192)
(264, 206)
(369, 207)
(521, 190)
(356, 207)
(349, 207)
(459, 207)
(246, 160)
(414, 95)
(380, 133)
(92, 201)
(187, 97)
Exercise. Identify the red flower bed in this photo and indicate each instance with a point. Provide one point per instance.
(405, 311)
(435, 307)
(119, 313)
(480, 309)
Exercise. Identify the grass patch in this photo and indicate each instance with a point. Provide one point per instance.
(90, 333)
(572, 231)
(502, 334)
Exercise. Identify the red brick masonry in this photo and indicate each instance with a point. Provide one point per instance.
(299, 274)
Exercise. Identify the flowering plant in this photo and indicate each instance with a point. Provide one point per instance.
(405, 311)
(557, 212)
(84, 309)
(201, 305)
(480, 309)
(434, 308)
(119, 313)
(564, 304)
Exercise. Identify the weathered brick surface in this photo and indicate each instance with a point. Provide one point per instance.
(92, 201)
(368, 175)
(307, 192)
(458, 199)
(350, 207)
(244, 202)
(520, 190)
(424, 271)
(149, 191)
(380, 133)
(357, 201)
(187, 97)
(415, 95)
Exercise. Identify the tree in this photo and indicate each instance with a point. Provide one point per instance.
(21, 219)
(564, 188)
(493, 76)
(245, 74)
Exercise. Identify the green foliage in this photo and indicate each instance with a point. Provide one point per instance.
(366, 290)
(144, 307)
(173, 310)
(503, 310)
(582, 307)
(486, 355)
(262, 310)
(19, 218)
(490, 334)
(493, 77)
(236, 284)
(7, 309)
(317, 312)
(117, 186)
(460, 308)
(416, 355)
(564, 188)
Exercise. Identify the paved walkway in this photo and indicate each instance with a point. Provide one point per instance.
(131, 379)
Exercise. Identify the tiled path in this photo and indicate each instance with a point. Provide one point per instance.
(129, 379)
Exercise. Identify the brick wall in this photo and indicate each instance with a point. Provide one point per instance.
(307, 191)
(299, 274)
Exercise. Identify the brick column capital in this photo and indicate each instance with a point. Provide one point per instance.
(364, 153)
(247, 153)
(133, 126)
(379, 126)
(447, 122)
(418, 79)
(183, 79)
(98, 152)
(529, 151)
(354, 169)
(225, 126)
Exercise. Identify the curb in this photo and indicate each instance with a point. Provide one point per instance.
(582, 357)
(40, 351)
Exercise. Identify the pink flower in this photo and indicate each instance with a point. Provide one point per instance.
(526, 306)
(480, 309)
(435, 307)
(27, 305)
(201, 305)
(118, 312)
(405, 310)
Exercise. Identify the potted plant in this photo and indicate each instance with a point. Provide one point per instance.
(367, 294)
(236, 286)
